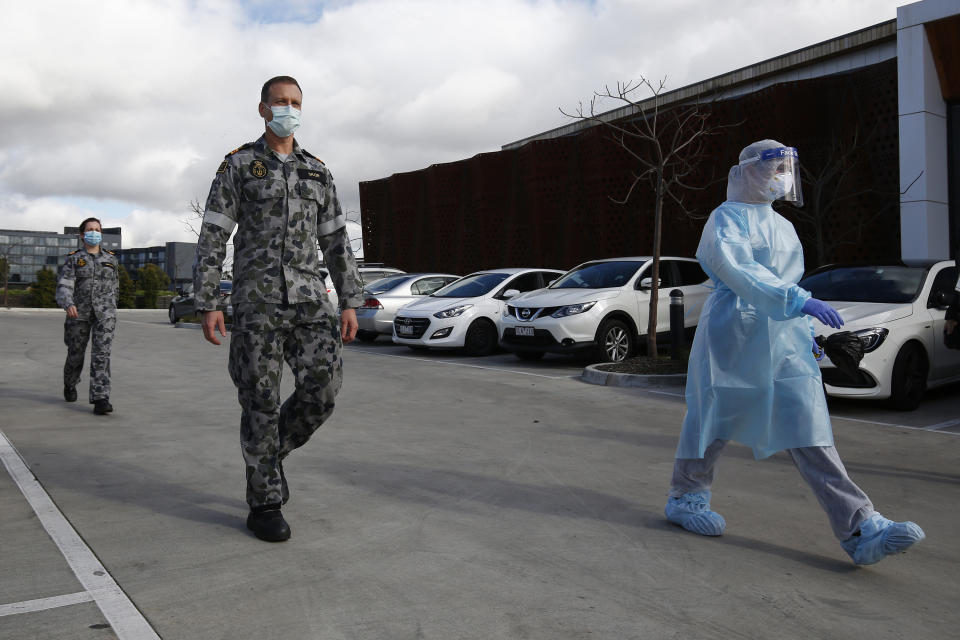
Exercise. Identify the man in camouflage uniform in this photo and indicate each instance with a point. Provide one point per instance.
(87, 289)
(282, 202)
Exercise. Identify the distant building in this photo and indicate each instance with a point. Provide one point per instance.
(174, 258)
(29, 251)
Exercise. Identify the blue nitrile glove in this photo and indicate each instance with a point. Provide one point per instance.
(822, 312)
(817, 351)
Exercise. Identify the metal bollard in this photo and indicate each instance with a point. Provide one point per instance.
(676, 324)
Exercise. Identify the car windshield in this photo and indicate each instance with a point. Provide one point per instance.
(866, 284)
(386, 284)
(471, 286)
(599, 275)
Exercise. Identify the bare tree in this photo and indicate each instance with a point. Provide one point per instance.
(194, 221)
(667, 146)
(829, 185)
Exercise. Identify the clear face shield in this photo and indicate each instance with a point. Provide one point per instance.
(778, 173)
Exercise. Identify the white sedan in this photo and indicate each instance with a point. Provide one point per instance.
(466, 313)
(898, 313)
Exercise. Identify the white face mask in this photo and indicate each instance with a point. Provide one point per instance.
(780, 185)
(285, 121)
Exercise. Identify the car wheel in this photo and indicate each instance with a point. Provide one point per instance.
(367, 336)
(172, 314)
(529, 355)
(614, 342)
(909, 380)
(481, 338)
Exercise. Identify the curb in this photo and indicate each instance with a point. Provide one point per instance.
(592, 375)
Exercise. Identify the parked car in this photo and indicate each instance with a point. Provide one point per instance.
(182, 305)
(368, 275)
(898, 312)
(384, 296)
(466, 313)
(600, 308)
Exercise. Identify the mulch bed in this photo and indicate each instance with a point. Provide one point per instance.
(645, 365)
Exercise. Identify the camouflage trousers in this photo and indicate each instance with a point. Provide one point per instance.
(76, 333)
(307, 336)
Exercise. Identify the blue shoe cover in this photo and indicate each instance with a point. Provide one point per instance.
(692, 512)
(880, 537)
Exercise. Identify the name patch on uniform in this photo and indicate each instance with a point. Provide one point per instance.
(110, 264)
(258, 169)
(222, 167)
(310, 174)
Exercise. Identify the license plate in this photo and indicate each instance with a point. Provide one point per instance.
(524, 331)
(404, 329)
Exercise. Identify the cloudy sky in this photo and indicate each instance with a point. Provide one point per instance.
(124, 108)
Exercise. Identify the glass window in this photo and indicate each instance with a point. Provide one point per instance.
(16, 250)
(52, 241)
(67, 242)
(866, 284)
(476, 284)
(390, 282)
(4, 239)
(426, 286)
(525, 282)
(599, 275)
(51, 259)
(690, 273)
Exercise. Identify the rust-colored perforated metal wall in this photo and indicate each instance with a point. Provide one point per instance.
(547, 203)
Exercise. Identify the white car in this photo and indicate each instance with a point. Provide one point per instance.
(466, 313)
(383, 297)
(368, 275)
(600, 308)
(898, 313)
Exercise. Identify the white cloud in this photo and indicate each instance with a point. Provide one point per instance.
(137, 101)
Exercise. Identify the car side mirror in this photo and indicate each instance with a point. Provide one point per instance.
(647, 283)
(510, 293)
(941, 299)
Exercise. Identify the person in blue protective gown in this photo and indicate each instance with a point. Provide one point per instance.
(753, 375)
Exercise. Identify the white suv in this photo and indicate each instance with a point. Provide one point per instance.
(600, 308)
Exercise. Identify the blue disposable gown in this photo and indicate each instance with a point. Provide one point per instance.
(752, 375)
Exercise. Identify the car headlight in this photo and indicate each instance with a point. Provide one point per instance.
(871, 338)
(453, 312)
(573, 309)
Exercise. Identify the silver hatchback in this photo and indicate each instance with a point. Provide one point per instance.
(383, 297)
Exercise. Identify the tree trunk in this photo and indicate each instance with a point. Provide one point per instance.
(655, 276)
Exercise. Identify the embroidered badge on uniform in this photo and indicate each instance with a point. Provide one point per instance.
(258, 169)
(81, 262)
(222, 167)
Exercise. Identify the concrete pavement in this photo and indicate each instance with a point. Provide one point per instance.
(445, 499)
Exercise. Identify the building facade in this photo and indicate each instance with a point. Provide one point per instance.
(30, 251)
(173, 258)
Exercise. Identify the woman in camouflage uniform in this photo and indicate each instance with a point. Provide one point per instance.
(87, 289)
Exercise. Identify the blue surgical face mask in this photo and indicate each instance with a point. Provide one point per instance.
(285, 121)
(92, 238)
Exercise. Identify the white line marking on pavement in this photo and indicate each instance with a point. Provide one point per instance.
(42, 604)
(934, 427)
(124, 618)
(461, 364)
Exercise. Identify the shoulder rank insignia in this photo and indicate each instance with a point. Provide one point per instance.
(113, 253)
(73, 252)
(240, 148)
(310, 155)
(81, 262)
(258, 169)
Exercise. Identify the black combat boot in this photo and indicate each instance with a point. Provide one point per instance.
(102, 407)
(267, 523)
(70, 394)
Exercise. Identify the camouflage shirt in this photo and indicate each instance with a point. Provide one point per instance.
(282, 210)
(89, 282)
